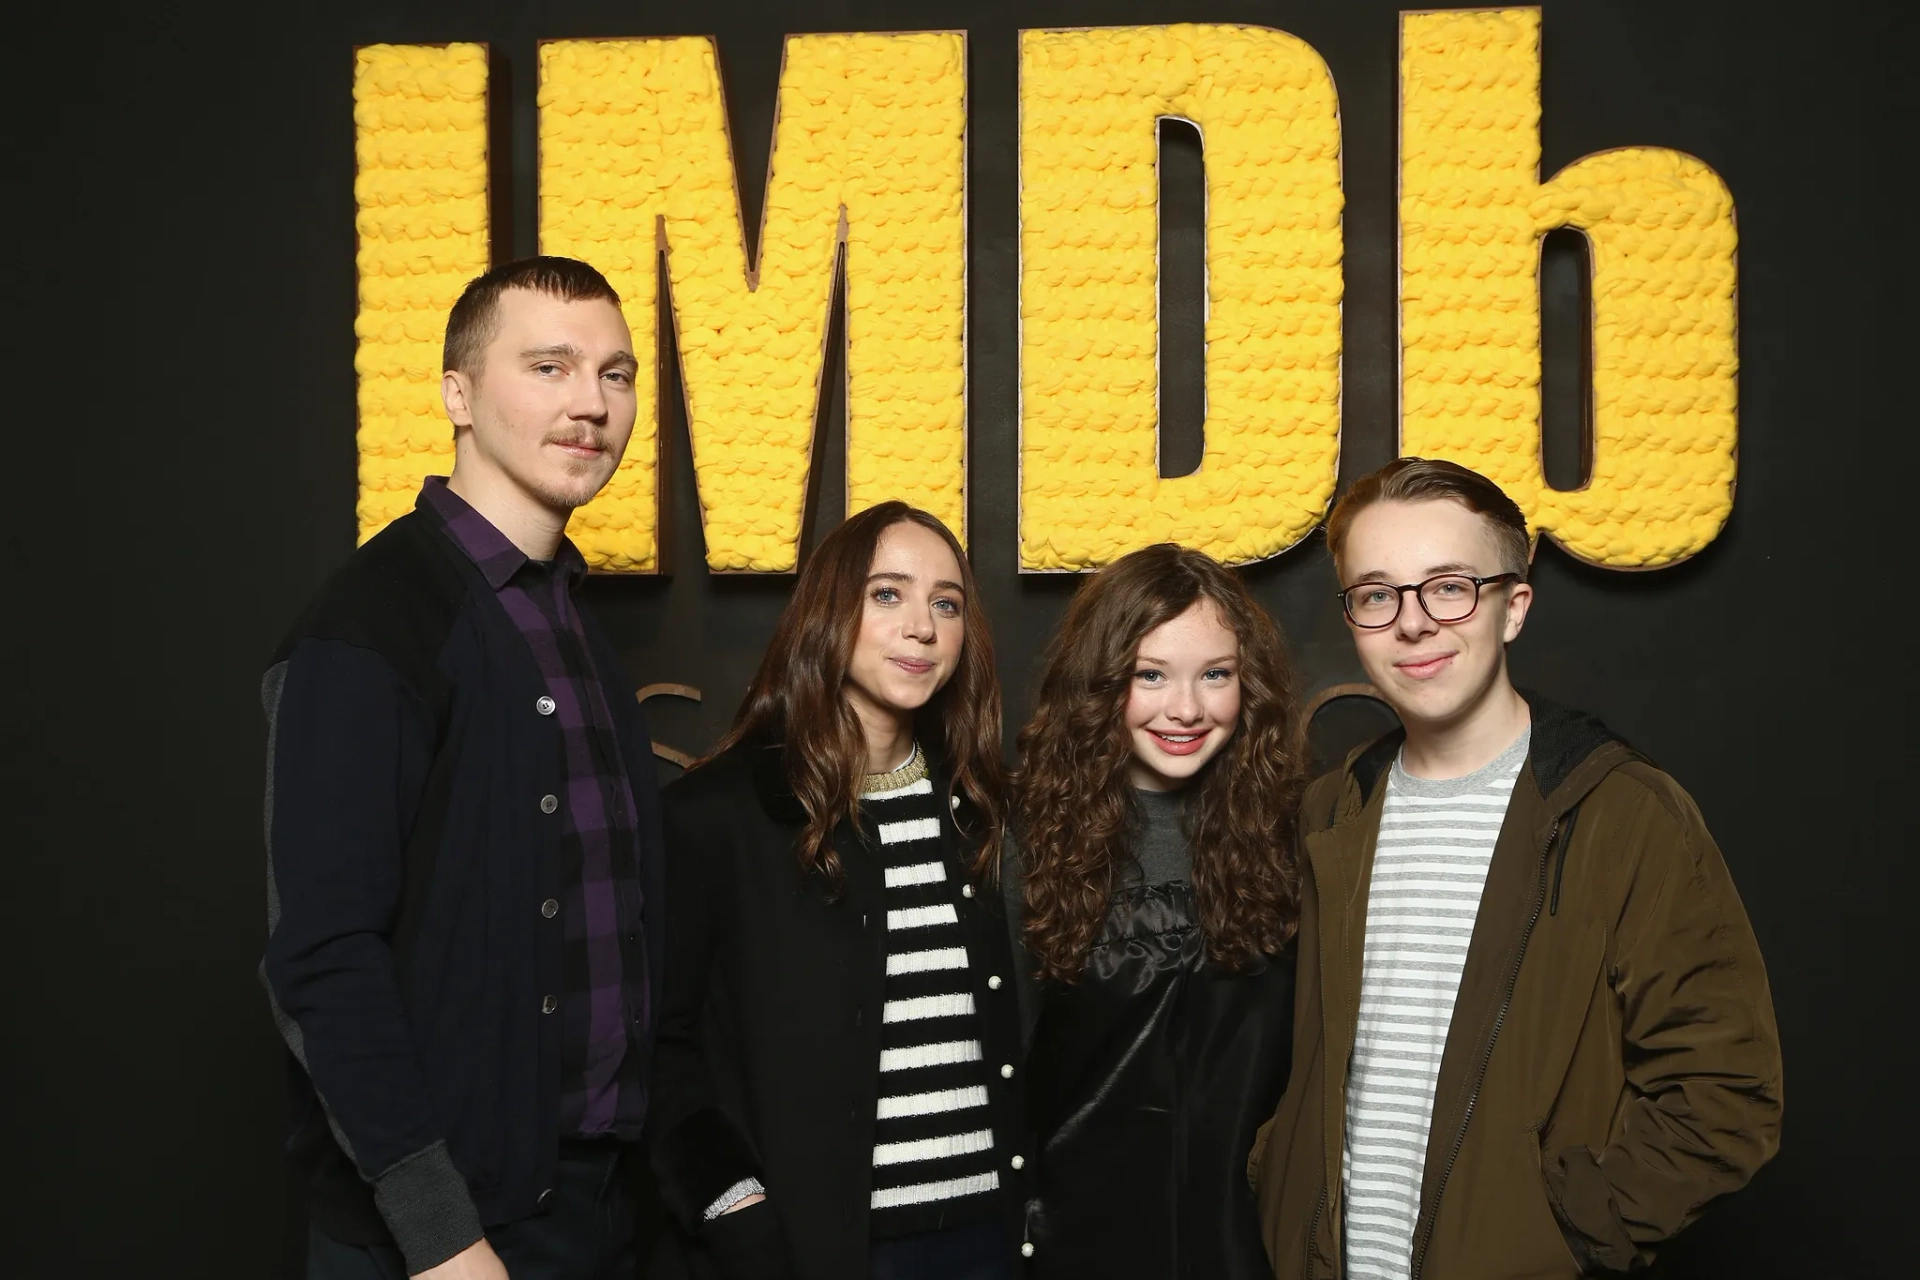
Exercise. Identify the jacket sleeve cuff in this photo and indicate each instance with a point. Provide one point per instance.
(426, 1205)
(1583, 1206)
(698, 1160)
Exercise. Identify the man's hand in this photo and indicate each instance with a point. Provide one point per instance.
(477, 1261)
(742, 1203)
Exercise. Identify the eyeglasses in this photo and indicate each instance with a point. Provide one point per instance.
(1449, 597)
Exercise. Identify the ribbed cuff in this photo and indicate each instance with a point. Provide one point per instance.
(732, 1196)
(427, 1207)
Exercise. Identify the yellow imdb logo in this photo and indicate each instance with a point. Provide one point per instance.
(868, 173)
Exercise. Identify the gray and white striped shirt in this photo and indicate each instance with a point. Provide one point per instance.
(1429, 867)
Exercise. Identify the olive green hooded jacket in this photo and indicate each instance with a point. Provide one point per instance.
(1612, 1064)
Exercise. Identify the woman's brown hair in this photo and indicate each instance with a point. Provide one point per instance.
(1076, 812)
(797, 698)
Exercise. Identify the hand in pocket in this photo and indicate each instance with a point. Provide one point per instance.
(746, 1244)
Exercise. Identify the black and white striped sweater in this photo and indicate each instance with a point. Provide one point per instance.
(933, 1155)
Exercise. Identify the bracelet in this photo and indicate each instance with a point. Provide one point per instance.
(732, 1196)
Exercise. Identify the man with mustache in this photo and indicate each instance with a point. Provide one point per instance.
(464, 893)
(1534, 1035)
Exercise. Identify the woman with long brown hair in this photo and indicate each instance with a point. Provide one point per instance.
(1156, 890)
(835, 1091)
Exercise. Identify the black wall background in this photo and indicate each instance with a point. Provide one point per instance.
(182, 478)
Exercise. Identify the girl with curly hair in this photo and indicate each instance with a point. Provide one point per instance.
(1156, 889)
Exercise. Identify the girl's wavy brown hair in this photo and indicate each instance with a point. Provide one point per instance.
(1073, 800)
(797, 698)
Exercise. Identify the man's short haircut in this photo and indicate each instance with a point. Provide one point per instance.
(1436, 480)
(475, 318)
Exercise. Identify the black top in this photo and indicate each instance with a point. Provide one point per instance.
(1146, 1081)
(414, 838)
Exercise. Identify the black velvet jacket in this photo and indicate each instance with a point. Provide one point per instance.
(1145, 1084)
(768, 1059)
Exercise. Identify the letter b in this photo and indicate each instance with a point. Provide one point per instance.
(1661, 229)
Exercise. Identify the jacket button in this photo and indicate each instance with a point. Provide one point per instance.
(1026, 1249)
(966, 891)
(1019, 1162)
(551, 908)
(550, 1003)
(549, 803)
(1006, 1071)
(543, 1199)
(993, 983)
(544, 705)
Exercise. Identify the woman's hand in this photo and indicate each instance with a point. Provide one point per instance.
(747, 1246)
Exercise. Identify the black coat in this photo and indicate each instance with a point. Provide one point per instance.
(1147, 1080)
(768, 1060)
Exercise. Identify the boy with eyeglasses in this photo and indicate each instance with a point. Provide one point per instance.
(1534, 1035)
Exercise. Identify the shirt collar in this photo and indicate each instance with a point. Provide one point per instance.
(491, 551)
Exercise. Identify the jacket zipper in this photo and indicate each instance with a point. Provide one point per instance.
(1486, 1054)
(1313, 1228)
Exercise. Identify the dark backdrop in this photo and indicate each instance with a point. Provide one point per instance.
(183, 478)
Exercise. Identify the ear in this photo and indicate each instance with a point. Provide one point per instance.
(1519, 600)
(455, 390)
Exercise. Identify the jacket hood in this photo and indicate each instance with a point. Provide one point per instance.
(1570, 753)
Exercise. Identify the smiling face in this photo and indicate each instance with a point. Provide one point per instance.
(912, 627)
(1183, 702)
(546, 415)
(1437, 676)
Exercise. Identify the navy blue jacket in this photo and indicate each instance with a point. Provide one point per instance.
(408, 857)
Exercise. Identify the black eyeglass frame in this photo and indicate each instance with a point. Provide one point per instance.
(1419, 594)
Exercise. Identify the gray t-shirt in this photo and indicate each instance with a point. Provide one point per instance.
(1161, 855)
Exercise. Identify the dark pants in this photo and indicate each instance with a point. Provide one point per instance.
(584, 1233)
(974, 1252)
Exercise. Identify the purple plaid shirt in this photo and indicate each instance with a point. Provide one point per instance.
(604, 1000)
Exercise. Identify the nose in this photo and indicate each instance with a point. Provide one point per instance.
(1182, 705)
(1414, 623)
(917, 624)
(587, 398)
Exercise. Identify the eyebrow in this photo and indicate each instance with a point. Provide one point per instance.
(566, 350)
(938, 583)
(1433, 571)
(1210, 662)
